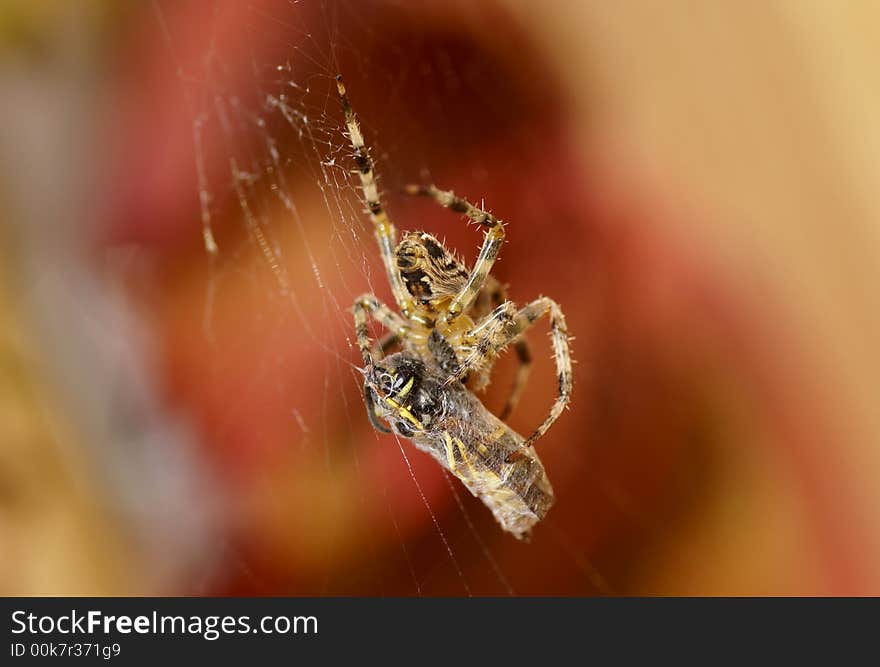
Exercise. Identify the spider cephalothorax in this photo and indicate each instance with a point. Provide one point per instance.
(454, 323)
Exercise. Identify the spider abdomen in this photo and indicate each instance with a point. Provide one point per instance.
(428, 270)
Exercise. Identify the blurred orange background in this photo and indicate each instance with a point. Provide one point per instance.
(694, 183)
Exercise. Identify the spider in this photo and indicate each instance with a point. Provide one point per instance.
(453, 324)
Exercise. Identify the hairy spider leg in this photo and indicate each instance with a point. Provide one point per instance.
(492, 240)
(366, 306)
(491, 296)
(492, 334)
(504, 326)
(386, 234)
(524, 356)
(526, 317)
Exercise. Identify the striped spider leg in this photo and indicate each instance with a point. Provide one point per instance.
(383, 228)
(492, 241)
(490, 297)
(366, 306)
(506, 325)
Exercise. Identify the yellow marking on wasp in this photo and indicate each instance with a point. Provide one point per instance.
(405, 413)
(449, 456)
(411, 418)
(482, 449)
(406, 388)
(465, 457)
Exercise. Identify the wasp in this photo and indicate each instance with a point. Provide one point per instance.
(451, 424)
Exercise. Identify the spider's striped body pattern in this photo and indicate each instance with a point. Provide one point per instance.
(452, 325)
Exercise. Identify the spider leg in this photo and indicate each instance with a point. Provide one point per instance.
(492, 334)
(492, 240)
(491, 296)
(526, 317)
(365, 306)
(506, 325)
(386, 234)
(524, 356)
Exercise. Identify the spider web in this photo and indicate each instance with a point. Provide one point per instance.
(260, 268)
